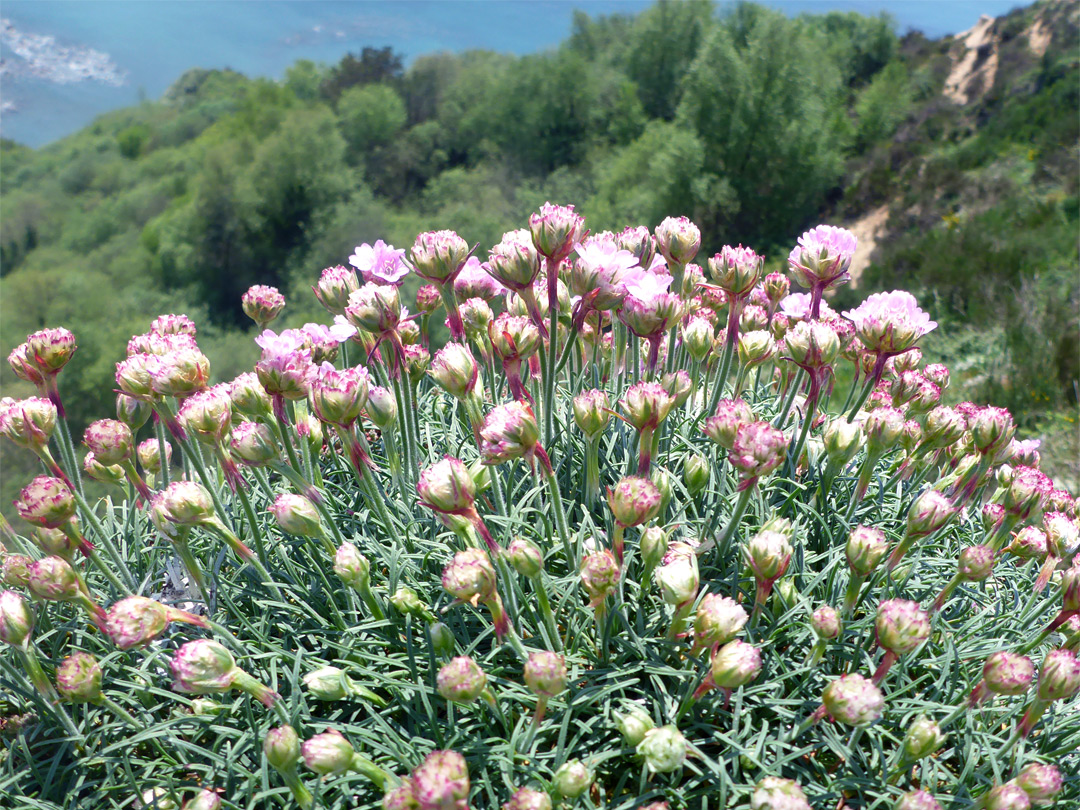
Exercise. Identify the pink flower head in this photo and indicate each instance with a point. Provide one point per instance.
(262, 304)
(173, 325)
(555, 229)
(823, 256)
(335, 285)
(379, 263)
(274, 345)
(797, 308)
(678, 240)
(441, 782)
(474, 281)
(605, 269)
(758, 449)
(890, 322)
(160, 343)
(438, 256)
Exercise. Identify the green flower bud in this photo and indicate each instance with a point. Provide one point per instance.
(461, 680)
(923, 738)
(572, 779)
(634, 724)
(664, 749)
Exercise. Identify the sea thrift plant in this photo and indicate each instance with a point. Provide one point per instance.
(632, 537)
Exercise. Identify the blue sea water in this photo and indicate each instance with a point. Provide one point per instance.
(63, 62)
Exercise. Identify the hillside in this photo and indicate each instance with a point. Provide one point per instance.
(956, 159)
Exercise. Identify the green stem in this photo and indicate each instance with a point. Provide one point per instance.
(789, 400)
(183, 550)
(159, 433)
(45, 688)
(546, 613)
(736, 517)
(106, 541)
(560, 513)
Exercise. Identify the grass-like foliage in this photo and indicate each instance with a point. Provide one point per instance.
(621, 544)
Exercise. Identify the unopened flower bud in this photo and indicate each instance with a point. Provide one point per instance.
(591, 412)
(509, 432)
(1007, 673)
(442, 638)
(599, 576)
(137, 620)
(664, 749)
(929, 512)
(678, 579)
(338, 395)
(1059, 676)
(454, 369)
(29, 422)
(923, 738)
(54, 579)
(634, 501)
(755, 347)
(774, 793)
(555, 230)
(441, 781)
(253, 443)
(768, 554)
(812, 344)
(853, 700)
(1029, 543)
(866, 547)
(646, 404)
(883, 427)
(697, 337)
(50, 349)
(679, 385)
(328, 683)
(525, 557)
(207, 415)
(46, 501)
(374, 308)
(461, 680)
(381, 407)
(976, 563)
(248, 396)
(992, 515)
(634, 724)
(901, 625)
(205, 799)
(1041, 783)
(572, 779)
(992, 430)
(731, 415)
(16, 619)
(758, 449)
(262, 304)
(328, 753)
(916, 800)
(78, 678)
(736, 664)
(149, 455)
(528, 799)
(296, 515)
(1006, 797)
(718, 620)
(545, 674)
(470, 576)
(15, 572)
(678, 240)
(350, 565)
(826, 622)
(696, 472)
(842, 441)
(447, 487)
(282, 748)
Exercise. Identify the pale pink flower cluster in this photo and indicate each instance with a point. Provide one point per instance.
(822, 256)
(890, 322)
(379, 263)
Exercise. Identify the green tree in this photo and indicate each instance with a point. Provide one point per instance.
(769, 113)
(370, 117)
